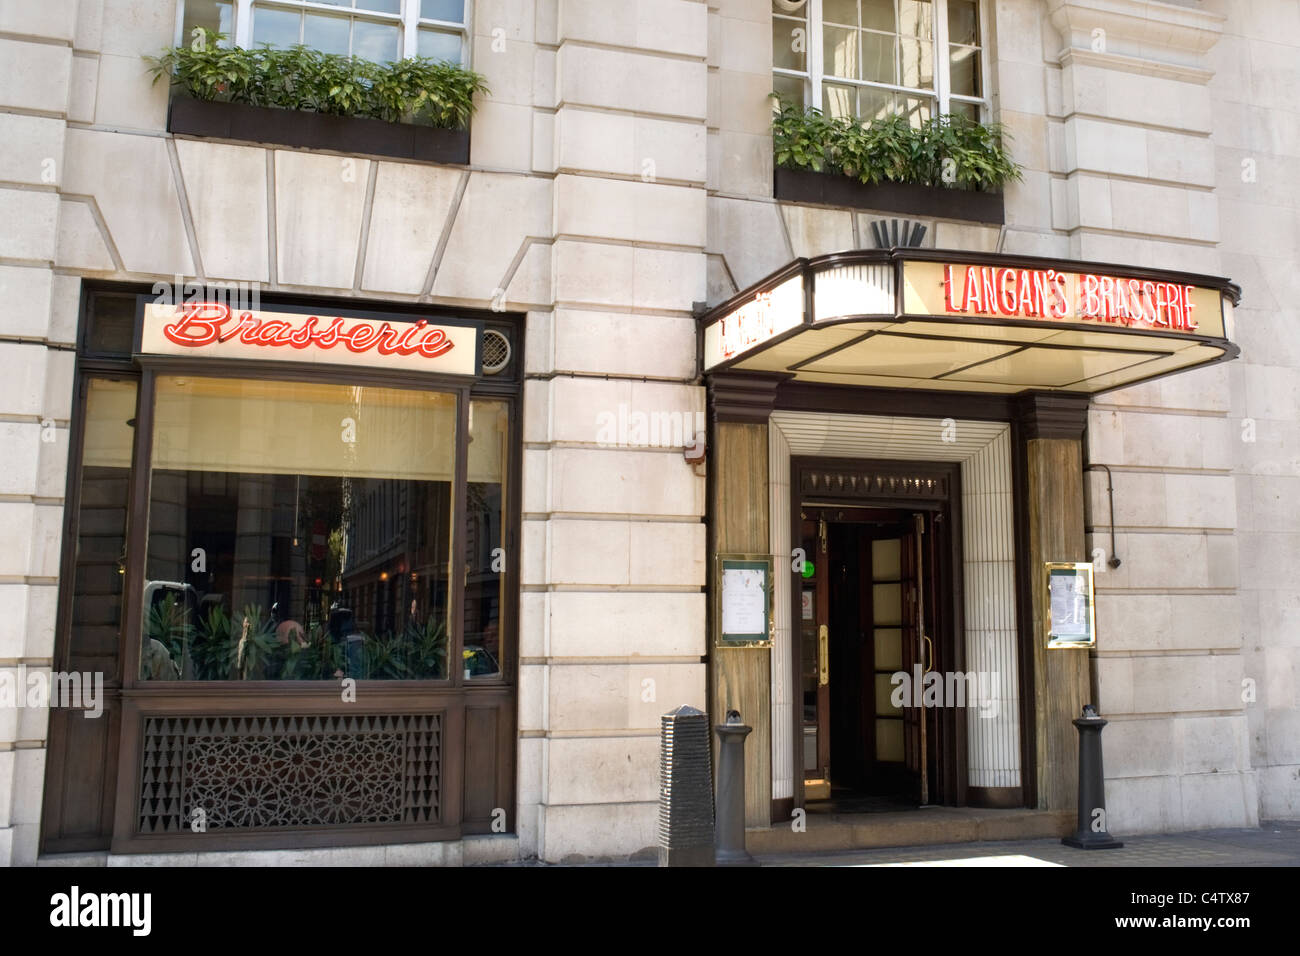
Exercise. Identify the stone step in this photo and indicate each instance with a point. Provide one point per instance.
(922, 827)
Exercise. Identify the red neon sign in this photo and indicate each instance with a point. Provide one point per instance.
(206, 323)
(1048, 294)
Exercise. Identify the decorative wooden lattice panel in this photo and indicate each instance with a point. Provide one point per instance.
(289, 771)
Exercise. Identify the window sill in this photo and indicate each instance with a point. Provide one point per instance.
(834, 189)
(347, 134)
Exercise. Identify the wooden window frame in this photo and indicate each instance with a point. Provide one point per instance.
(473, 784)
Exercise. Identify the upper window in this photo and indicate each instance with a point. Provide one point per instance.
(876, 58)
(377, 30)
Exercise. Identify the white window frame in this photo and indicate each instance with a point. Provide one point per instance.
(942, 94)
(407, 20)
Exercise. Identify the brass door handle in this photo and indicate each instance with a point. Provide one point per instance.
(823, 656)
(929, 658)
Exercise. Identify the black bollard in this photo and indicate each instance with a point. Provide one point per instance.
(1092, 787)
(685, 789)
(731, 793)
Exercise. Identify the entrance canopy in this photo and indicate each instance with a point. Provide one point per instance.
(940, 319)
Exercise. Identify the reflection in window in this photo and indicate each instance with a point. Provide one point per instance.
(377, 30)
(485, 538)
(879, 58)
(100, 556)
(297, 532)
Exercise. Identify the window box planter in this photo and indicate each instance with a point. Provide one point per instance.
(834, 189)
(346, 134)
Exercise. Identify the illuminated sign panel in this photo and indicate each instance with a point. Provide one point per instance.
(1050, 295)
(759, 320)
(215, 330)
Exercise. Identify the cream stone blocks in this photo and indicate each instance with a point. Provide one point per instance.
(407, 217)
(227, 193)
(602, 275)
(126, 175)
(616, 343)
(612, 830)
(477, 258)
(655, 26)
(623, 80)
(33, 149)
(319, 205)
(624, 553)
(629, 211)
(624, 624)
(630, 146)
(750, 236)
(616, 696)
(36, 75)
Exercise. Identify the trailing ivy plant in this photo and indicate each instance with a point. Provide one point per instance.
(952, 150)
(413, 90)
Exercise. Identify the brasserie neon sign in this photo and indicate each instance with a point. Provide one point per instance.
(1068, 296)
(214, 328)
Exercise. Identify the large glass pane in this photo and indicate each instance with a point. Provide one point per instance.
(889, 740)
(878, 58)
(841, 11)
(380, 6)
(916, 18)
(789, 44)
(840, 53)
(440, 46)
(453, 11)
(875, 104)
(887, 605)
(277, 28)
(485, 555)
(969, 110)
(837, 101)
(918, 109)
(888, 648)
(884, 696)
(297, 532)
(878, 15)
(789, 88)
(965, 71)
(379, 42)
(963, 22)
(218, 15)
(326, 34)
(916, 64)
(100, 557)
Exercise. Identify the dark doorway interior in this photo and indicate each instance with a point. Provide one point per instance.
(875, 615)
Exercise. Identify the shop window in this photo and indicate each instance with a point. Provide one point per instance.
(298, 531)
(485, 538)
(377, 30)
(872, 59)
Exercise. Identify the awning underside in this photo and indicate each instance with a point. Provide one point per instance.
(986, 357)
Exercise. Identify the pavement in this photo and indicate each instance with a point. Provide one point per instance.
(1275, 843)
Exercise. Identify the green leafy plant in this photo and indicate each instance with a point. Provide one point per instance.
(952, 151)
(413, 90)
(212, 646)
(168, 623)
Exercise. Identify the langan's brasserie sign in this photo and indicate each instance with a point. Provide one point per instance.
(215, 330)
(929, 319)
(994, 292)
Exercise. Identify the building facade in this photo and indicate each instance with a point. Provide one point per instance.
(411, 562)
